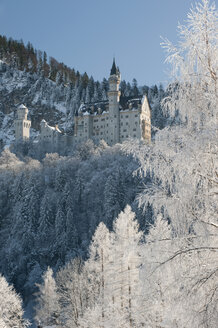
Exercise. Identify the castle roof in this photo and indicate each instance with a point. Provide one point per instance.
(96, 108)
(114, 68)
(22, 106)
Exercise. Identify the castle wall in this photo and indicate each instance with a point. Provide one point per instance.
(22, 124)
(113, 125)
(129, 124)
(145, 118)
(22, 129)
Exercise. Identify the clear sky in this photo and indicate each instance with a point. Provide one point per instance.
(86, 34)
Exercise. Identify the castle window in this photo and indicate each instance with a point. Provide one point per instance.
(127, 116)
(134, 135)
(107, 124)
(115, 115)
(136, 115)
(126, 123)
(101, 133)
(95, 120)
(124, 130)
(85, 130)
(122, 136)
(102, 119)
(136, 123)
(121, 124)
(127, 136)
(134, 129)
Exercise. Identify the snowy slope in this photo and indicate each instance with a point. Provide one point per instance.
(42, 96)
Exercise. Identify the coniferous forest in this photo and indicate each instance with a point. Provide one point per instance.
(121, 236)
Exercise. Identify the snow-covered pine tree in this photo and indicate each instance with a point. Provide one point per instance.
(125, 290)
(47, 307)
(11, 312)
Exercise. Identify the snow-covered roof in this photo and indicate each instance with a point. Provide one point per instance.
(22, 106)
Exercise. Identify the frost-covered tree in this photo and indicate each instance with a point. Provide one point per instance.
(125, 288)
(11, 312)
(113, 269)
(195, 67)
(98, 267)
(47, 306)
(73, 286)
(180, 170)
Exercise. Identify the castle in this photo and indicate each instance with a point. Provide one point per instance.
(113, 120)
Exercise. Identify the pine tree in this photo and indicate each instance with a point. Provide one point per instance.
(11, 312)
(47, 306)
(126, 263)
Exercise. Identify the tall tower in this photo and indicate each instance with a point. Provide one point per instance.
(114, 99)
(22, 124)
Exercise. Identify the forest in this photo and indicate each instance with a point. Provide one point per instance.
(122, 236)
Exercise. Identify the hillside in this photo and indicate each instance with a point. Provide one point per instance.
(52, 90)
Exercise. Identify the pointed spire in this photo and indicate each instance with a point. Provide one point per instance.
(114, 68)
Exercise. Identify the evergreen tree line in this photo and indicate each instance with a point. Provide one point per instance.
(25, 58)
(50, 209)
(131, 280)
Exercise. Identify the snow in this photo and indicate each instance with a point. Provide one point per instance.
(22, 107)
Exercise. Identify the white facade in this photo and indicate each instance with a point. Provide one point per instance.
(114, 120)
(116, 123)
(22, 124)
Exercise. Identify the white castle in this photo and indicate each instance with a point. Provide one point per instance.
(114, 120)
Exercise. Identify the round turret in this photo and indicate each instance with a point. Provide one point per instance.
(22, 112)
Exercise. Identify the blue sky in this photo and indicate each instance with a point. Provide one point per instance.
(86, 34)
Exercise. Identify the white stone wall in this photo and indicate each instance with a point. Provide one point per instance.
(129, 124)
(145, 119)
(22, 129)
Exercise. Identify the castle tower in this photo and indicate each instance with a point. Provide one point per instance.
(114, 99)
(22, 124)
